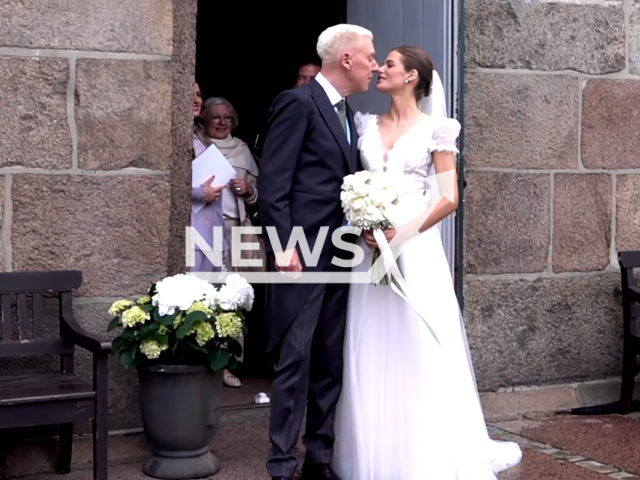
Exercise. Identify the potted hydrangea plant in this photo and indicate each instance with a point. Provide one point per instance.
(180, 336)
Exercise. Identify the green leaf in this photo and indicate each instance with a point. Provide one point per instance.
(195, 346)
(150, 327)
(218, 359)
(113, 324)
(116, 344)
(128, 357)
(128, 335)
(182, 331)
(163, 319)
(146, 307)
(161, 339)
(195, 317)
(234, 348)
(166, 321)
(189, 321)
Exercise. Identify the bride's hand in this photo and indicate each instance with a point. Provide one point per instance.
(389, 233)
(367, 235)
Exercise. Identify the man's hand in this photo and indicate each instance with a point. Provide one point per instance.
(288, 261)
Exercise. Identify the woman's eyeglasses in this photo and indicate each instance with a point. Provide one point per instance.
(220, 118)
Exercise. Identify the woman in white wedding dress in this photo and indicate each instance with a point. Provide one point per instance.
(409, 408)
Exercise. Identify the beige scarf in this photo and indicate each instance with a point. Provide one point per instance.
(237, 152)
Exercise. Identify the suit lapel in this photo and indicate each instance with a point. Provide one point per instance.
(331, 119)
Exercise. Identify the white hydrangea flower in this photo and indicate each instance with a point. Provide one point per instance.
(181, 291)
(211, 296)
(236, 293)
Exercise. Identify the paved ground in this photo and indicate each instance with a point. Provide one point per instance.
(559, 447)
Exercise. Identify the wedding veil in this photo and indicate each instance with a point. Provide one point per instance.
(436, 103)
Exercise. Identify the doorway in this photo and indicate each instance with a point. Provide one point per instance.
(249, 53)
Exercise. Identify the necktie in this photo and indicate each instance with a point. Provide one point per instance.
(342, 113)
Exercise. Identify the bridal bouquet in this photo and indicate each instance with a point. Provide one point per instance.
(369, 200)
(183, 320)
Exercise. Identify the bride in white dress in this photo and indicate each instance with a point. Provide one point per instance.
(409, 408)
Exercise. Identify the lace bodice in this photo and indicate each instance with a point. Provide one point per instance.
(410, 156)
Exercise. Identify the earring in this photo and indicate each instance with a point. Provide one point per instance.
(406, 81)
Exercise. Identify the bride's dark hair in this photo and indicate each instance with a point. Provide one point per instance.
(415, 59)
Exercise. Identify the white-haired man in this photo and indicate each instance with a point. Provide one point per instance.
(311, 145)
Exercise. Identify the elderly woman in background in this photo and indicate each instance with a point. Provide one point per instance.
(220, 118)
(210, 215)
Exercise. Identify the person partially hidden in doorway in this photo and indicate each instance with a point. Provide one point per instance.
(220, 119)
(306, 73)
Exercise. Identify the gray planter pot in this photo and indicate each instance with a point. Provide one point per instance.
(181, 415)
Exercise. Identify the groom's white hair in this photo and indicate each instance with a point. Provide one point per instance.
(336, 38)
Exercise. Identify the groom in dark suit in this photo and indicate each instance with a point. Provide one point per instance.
(311, 145)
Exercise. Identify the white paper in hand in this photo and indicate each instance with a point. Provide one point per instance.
(209, 163)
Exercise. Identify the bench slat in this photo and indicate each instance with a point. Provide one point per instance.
(39, 346)
(30, 282)
(62, 411)
(42, 387)
(38, 316)
(7, 321)
(23, 317)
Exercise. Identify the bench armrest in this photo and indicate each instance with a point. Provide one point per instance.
(74, 333)
(634, 293)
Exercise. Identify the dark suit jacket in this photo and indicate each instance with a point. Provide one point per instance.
(305, 158)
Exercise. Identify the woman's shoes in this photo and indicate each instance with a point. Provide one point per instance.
(230, 380)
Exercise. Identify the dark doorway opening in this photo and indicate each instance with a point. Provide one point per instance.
(248, 53)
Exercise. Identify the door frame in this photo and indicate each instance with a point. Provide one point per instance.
(459, 90)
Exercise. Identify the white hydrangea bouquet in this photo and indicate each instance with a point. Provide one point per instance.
(370, 201)
(183, 320)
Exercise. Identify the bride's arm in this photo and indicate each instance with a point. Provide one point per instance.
(448, 185)
(447, 179)
(443, 150)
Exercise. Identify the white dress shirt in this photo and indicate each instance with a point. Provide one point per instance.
(334, 98)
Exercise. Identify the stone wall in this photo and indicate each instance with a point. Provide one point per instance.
(94, 119)
(552, 105)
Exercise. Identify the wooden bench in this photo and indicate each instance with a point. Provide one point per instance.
(60, 397)
(631, 335)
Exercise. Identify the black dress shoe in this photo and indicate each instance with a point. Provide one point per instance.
(280, 478)
(318, 471)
